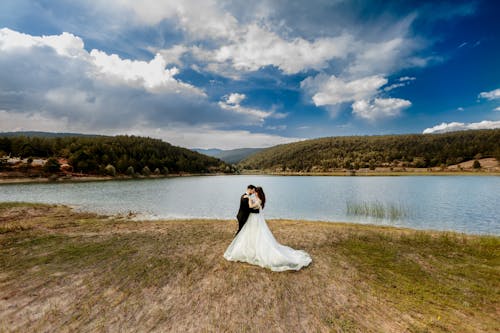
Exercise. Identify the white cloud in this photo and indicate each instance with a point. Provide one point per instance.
(497, 108)
(456, 126)
(152, 75)
(173, 54)
(460, 108)
(235, 98)
(64, 44)
(232, 103)
(258, 47)
(331, 90)
(245, 46)
(199, 19)
(394, 86)
(402, 82)
(490, 95)
(379, 108)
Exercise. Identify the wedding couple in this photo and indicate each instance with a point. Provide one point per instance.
(255, 244)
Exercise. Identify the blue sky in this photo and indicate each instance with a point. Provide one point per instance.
(230, 74)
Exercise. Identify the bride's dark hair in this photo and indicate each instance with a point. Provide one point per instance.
(261, 195)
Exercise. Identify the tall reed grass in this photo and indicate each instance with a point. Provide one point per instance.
(377, 209)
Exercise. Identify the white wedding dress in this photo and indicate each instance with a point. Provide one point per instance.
(255, 244)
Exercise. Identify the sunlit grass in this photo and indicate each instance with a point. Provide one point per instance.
(377, 209)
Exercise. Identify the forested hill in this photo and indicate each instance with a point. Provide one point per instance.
(416, 150)
(92, 154)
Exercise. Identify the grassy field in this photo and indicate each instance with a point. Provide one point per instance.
(65, 271)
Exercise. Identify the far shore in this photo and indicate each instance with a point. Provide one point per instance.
(347, 173)
(93, 178)
(414, 172)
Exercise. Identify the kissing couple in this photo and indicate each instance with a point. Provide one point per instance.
(255, 244)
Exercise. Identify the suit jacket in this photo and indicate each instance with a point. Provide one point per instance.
(244, 210)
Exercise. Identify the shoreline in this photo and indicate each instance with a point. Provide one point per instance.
(93, 178)
(145, 218)
(376, 173)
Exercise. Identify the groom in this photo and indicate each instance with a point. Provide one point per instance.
(245, 210)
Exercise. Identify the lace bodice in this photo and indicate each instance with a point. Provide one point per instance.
(255, 202)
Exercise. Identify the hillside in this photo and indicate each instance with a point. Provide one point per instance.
(91, 155)
(354, 152)
(69, 271)
(232, 156)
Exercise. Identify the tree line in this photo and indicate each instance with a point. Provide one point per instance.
(354, 152)
(101, 154)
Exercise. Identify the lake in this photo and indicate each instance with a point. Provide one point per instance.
(461, 203)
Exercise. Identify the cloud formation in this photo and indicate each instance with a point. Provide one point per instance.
(379, 108)
(52, 83)
(457, 126)
(332, 91)
(490, 95)
(219, 67)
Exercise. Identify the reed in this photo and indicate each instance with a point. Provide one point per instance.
(377, 209)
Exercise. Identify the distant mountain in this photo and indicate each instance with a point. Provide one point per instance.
(45, 134)
(232, 156)
(354, 152)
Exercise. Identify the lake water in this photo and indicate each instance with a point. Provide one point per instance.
(468, 204)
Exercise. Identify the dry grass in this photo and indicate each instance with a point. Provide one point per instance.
(66, 271)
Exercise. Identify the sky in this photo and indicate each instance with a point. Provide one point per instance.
(233, 74)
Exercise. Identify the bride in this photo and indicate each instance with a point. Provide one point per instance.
(255, 244)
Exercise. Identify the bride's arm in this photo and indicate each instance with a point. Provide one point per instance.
(253, 203)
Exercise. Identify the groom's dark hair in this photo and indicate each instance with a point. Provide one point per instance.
(251, 187)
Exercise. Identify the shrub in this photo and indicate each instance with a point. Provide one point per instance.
(110, 170)
(146, 171)
(165, 170)
(52, 165)
(130, 171)
(476, 164)
(157, 172)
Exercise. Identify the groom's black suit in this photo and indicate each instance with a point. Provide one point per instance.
(244, 212)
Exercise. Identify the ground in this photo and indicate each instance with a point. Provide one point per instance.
(68, 271)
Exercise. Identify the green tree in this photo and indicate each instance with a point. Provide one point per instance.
(51, 165)
(476, 164)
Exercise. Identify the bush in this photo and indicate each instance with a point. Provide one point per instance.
(130, 171)
(146, 171)
(165, 170)
(157, 172)
(110, 170)
(52, 165)
(476, 164)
